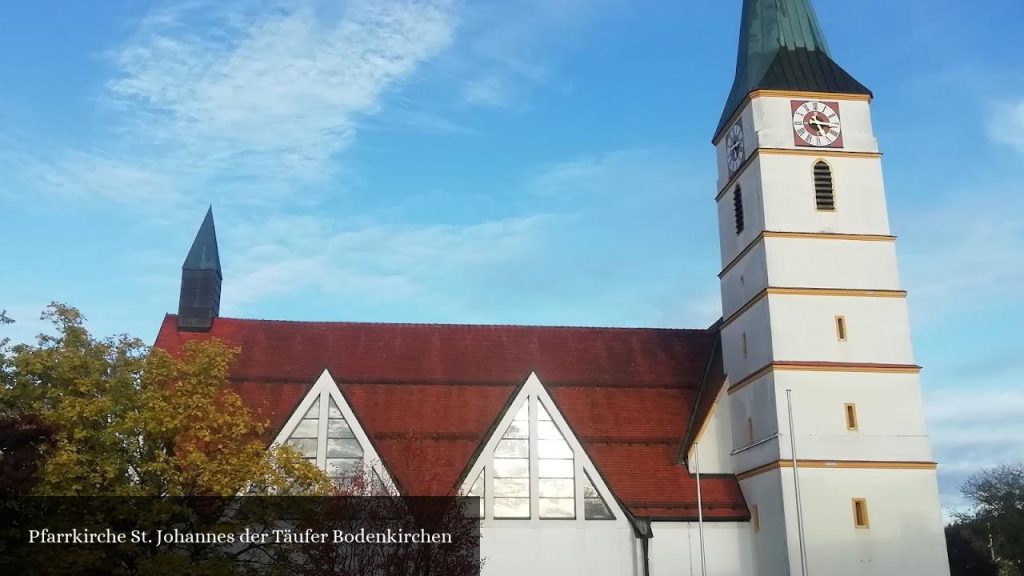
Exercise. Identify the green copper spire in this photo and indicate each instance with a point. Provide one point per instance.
(782, 48)
(204, 254)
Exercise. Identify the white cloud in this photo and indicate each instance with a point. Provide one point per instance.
(1006, 125)
(269, 91)
(488, 90)
(370, 262)
(973, 428)
(970, 243)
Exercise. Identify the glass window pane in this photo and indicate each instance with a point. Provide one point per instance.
(314, 410)
(512, 487)
(305, 446)
(555, 469)
(594, 506)
(512, 449)
(339, 429)
(524, 412)
(556, 488)
(553, 449)
(478, 486)
(518, 430)
(333, 411)
(548, 431)
(306, 428)
(511, 468)
(511, 507)
(343, 448)
(343, 466)
(557, 508)
(542, 413)
(596, 510)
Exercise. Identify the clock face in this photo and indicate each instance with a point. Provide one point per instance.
(817, 123)
(734, 147)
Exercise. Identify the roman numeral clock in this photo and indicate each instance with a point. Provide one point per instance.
(817, 124)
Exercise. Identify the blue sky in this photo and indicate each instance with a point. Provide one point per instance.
(530, 161)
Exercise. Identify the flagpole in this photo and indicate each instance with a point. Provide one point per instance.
(796, 484)
(700, 509)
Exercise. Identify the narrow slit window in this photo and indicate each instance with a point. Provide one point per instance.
(743, 342)
(750, 430)
(824, 193)
(594, 506)
(851, 416)
(841, 328)
(860, 513)
(737, 205)
(755, 519)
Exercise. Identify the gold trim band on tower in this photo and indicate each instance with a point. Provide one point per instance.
(798, 366)
(803, 235)
(817, 152)
(838, 464)
(849, 292)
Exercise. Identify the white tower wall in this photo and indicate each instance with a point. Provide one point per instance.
(812, 303)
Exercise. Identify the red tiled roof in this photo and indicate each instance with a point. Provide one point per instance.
(428, 395)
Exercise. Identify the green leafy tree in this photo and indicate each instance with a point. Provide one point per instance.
(128, 420)
(997, 520)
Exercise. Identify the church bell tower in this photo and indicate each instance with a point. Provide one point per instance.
(813, 311)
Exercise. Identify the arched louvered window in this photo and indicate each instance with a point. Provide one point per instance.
(824, 195)
(737, 205)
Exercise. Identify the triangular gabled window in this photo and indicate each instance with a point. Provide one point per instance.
(534, 468)
(325, 431)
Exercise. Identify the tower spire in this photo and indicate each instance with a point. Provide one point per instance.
(201, 278)
(782, 47)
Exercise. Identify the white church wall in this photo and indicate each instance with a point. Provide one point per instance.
(675, 549)
(747, 278)
(805, 328)
(788, 187)
(812, 263)
(753, 214)
(755, 423)
(770, 540)
(904, 534)
(889, 410)
(715, 439)
(558, 549)
(754, 327)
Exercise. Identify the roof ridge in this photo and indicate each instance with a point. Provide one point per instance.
(463, 325)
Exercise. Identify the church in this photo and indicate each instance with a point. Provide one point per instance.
(788, 438)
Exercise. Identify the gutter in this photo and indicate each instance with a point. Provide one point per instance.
(644, 532)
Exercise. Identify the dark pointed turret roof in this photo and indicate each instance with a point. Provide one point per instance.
(204, 254)
(782, 48)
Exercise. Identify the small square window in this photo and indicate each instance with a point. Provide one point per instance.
(851, 416)
(860, 513)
